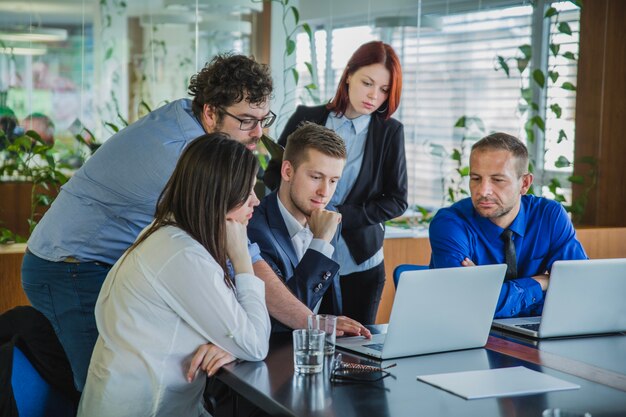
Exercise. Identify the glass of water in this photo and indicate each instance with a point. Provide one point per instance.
(308, 350)
(327, 323)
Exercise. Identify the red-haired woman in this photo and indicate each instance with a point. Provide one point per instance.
(373, 187)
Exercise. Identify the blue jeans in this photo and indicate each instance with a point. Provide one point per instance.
(66, 294)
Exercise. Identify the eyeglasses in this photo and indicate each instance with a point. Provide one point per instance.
(250, 123)
(356, 372)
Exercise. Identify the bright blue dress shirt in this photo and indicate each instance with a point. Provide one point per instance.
(543, 233)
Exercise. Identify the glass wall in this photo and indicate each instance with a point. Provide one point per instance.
(462, 80)
(92, 66)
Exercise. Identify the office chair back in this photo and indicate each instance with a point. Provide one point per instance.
(405, 267)
(34, 397)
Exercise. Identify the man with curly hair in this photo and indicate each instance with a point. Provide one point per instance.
(101, 210)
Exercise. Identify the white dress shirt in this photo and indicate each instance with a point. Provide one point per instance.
(156, 307)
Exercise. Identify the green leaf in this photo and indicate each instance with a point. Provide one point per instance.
(577, 207)
(145, 106)
(295, 74)
(539, 77)
(108, 54)
(311, 86)
(554, 48)
(554, 184)
(527, 95)
(535, 106)
(308, 30)
(456, 155)
(569, 55)
(309, 67)
(568, 86)
(578, 3)
(576, 179)
(556, 109)
(423, 211)
(503, 65)
(121, 118)
(562, 136)
(526, 50)
(112, 126)
(536, 120)
(463, 172)
(530, 134)
(460, 122)
(553, 75)
(550, 12)
(563, 27)
(451, 194)
(522, 64)
(562, 162)
(291, 46)
(296, 14)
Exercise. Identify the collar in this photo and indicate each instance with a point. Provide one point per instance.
(293, 226)
(360, 123)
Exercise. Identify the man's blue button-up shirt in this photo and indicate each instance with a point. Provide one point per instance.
(543, 233)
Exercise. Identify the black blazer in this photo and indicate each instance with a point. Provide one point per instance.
(380, 190)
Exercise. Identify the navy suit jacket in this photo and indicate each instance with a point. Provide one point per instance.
(308, 279)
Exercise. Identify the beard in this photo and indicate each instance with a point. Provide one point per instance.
(299, 205)
(499, 211)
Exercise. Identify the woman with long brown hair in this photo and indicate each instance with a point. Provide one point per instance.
(186, 281)
(373, 187)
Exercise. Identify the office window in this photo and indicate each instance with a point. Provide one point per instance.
(449, 72)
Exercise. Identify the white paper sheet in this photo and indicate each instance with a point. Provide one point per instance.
(501, 382)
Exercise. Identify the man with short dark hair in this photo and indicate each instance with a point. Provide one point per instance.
(499, 223)
(295, 229)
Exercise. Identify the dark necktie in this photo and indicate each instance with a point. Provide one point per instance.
(509, 254)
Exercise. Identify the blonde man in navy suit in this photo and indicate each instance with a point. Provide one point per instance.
(295, 229)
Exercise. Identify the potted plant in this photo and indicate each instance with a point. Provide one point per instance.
(30, 179)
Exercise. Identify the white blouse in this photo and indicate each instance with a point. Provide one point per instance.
(155, 309)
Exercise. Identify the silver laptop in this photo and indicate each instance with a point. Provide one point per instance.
(584, 297)
(436, 310)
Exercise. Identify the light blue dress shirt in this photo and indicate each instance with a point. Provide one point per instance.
(103, 207)
(354, 134)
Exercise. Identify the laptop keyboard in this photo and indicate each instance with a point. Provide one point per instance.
(532, 326)
(375, 346)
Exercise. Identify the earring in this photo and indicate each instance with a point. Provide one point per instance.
(383, 110)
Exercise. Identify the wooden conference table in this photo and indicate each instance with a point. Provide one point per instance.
(597, 364)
